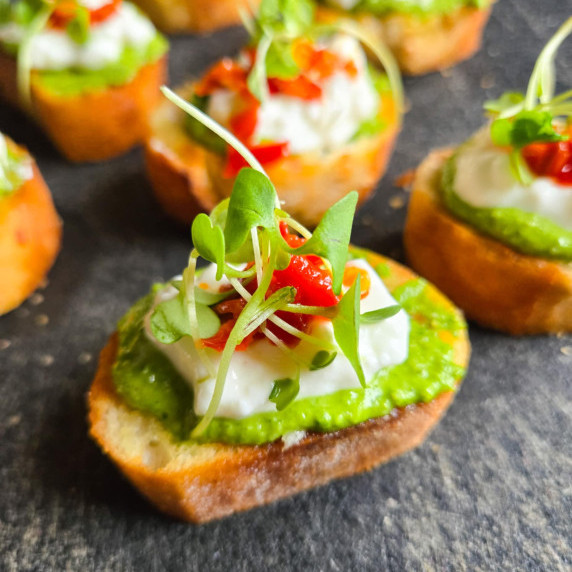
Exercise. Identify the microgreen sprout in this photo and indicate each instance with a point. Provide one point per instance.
(33, 16)
(522, 119)
(243, 238)
(280, 22)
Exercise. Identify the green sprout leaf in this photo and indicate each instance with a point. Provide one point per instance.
(525, 128)
(170, 321)
(322, 359)
(259, 314)
(208, 239)
(251, 205)
(331, 238)
(346, 327)
(506, 101)
(78, 28)
(285, 17)
(379, 315)
(284, 392)
(280, 62)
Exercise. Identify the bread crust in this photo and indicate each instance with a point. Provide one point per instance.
(231, 478)
(425, 44)
(95, 125)
(187, 179)
(198, 16)
(495, 285)
(30, 238)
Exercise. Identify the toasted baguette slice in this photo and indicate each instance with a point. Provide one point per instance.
(187, 179)
(95, 125)
(203, 482)
(424, 44)
(30, 237)
(196, 16)
(494, 285)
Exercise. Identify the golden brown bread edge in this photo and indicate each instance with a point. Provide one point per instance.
(30, 238)
(492, 283)
(230, 478)
(95, 125)
(187, 179)
(424, 44)
(197, 16)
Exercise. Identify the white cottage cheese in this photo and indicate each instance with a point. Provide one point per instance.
(252, 372)
(319, 125)
(54, 49)
(483, 179)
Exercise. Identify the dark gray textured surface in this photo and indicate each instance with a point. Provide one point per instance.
(490, 490)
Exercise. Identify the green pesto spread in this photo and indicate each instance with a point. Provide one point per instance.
(72, 82)
(415, 7)
(526, 232)
(147, 381)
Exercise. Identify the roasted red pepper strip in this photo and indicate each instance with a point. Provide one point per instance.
(226, 74)
(244, 123)
(551, 160)
(301, 87)
(265, 154)
(65, 12)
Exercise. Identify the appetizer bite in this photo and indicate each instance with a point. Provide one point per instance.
(88, 71)
(424, 35)
(289, 360)
(490, 222)
(30, 230)
(304, 99)
(196, 16)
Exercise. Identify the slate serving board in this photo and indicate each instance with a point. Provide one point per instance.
(489, 490)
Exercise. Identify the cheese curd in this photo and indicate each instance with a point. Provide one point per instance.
(53, 49)
(320, 125)
(252, 372)
(483, 179)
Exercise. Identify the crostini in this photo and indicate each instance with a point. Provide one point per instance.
(30, 230)
(490, 222)
(89, 72)
(195, 16)
(304, 99)
(286, 362)
(424, 35)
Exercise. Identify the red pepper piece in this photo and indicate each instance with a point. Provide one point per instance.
(300, 87)
(551, 160)
(66, 11)
(226, 74)
(243, 124)
(265, 154)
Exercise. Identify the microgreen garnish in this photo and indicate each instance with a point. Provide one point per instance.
(322, 359)
(170, 320)
(520, 120)
(24, 59)
(78, 27)
(209, 241)
(247, 230)
(280, 22)
(284, 391)
(251, 205)
(332, 237)
(346, 327)
(378, 315)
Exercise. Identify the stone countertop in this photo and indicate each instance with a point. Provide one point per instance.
(490, 489)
